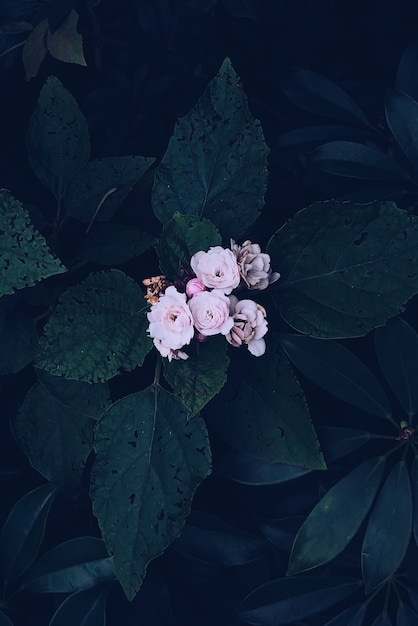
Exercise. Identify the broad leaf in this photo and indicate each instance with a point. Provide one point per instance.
(98, 329)
(18, 342)
(287, 600)
(84, 608)
(334, 521)
(346, 268)
(397, 353)
(201, 377)
(24, 254)
(65, 43)
(183, 236)
(114, 244)
(250, 470)
(58, 138)
(23, 531)
(388, 530)
(149, 461)
(338, 371)
(402, 119)
(263, 412)
(215, 164)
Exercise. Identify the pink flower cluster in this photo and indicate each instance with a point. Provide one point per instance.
(208, 306)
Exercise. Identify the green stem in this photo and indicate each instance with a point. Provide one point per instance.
(157, 371)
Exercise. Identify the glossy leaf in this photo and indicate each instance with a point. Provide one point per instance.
(23, 531)
(58, 138)
(24, 254)
(335, 287)
(18, 342)
(406, 616)
(215, 164)
(72, 566)
(397, 352)
(149, 461)
(337, 370)
(66, 43)
(98, 328)
(84, 608)
(336, 518)
(389, 529)
(4, 620)
(183, 236)
(114, 244)
(353, 616)
(286, 600)
(250, 470)
(402, 118)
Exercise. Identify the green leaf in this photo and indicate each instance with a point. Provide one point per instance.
(263, 411)
(202, 376)
(56, 431)
(84, 608)
(72, 566)
(336, 518)
(215, 164)
(23, 532)
(346, 268)
(388, 530)
(18, 341)
(97, 330)
(149, 461)
(65, 43)
(402, 118)
(114, 244)
(25, 257)
(58, 138)
(4, 620)
(397, 352)
(99, 188)
(338, 371)
(183, 236)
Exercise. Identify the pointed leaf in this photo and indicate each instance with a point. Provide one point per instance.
(343, 286)
(149, 461)
(65, 43)
(353, 616)
(18, 342)
(388, 530)
(23, 531)
(215, 164)
(397, 352)
(84, 608)
(338, 371)
(4, 620)
(114, 244)
(24, 254)
(334, 521)
(35, 50)
(406, 616)
(286, 600)
(98, 329)
(250, 470)
(402, 118)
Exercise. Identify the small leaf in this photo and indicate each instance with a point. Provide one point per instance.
(18, 341)
(343, 286)
(4, 620)
(286, 600)
(98, 329)
(336, 518)
(215, 164)
(58, 137)
(35, 50)
(338, 371)
(250, 470)
(25, 258)
(23, 531)
(65, 43)
(84, 608)
(114, 244)
(388, 530)
(397, 352)
(182, 237)
(72, 566)
(149, 461)
(402, 118)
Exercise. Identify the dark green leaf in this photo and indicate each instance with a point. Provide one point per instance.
(353, 616)
(402, 118)
(66, 43)
(98, 189)
(58, 138)
(338, 371)
(287, 600)
(98, 328)
(263, 411)
(250, 470)
(89, 400)
(183, 236)
(149, 461)
(334, 521)
(4, 620)
(397, 353)
(114, 244)
(84, 608)
(406, 616)
(202, 376)
(388, 530)
(346, 268)
(337, 442)
(18, 342)
(23, 531)
(72, 566)
(25, 258)
(215, 164)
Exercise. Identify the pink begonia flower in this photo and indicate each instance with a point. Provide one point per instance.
(171, 323)
(217, 269)
(254, 265)
(210, 311)
(250, 325)
(194, 286)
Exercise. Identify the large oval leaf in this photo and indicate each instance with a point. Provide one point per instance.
(346, 268)
(215, 164)
(149, 461)
(388, 530)
(84, 608)
(334, 521)
(402, 118)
